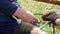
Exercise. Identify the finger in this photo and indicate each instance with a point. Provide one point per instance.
(37, 20)
(38, 25)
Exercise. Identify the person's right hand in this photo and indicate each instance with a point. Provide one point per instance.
(30, 18)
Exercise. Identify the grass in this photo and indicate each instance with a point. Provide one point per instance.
(39, 8)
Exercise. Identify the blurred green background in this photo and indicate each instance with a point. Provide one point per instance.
(39, 9)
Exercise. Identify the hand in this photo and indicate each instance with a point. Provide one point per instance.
(51, 16)
(37, 31)
(29, 18)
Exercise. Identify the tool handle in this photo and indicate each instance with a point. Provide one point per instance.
(35, 23)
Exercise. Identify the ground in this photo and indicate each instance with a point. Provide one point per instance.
(40, 8)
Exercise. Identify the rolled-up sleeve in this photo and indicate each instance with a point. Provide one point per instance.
(7, 7)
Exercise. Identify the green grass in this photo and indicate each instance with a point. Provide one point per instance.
(39, 8)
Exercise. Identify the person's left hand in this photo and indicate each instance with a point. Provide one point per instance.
(37, 31)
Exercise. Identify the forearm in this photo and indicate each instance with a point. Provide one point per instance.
(20, 13)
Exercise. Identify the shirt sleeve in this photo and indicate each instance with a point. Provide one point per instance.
(7, 7)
